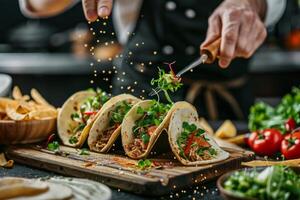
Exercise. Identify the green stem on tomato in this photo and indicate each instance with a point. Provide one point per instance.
(168, 97)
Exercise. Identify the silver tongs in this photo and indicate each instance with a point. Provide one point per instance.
(208, 55)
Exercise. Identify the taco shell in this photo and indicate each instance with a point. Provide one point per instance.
(102, 123)
(64, 120)
(185, 112)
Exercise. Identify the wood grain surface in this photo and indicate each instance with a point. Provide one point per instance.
(121, 172)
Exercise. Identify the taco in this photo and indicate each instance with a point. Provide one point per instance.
(190, 143)
(78, 114)
(142, 126)
(107, 127)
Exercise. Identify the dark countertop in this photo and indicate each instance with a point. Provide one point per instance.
(207, 191)
(265, 60)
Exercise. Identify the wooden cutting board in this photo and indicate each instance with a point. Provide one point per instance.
(121, 172)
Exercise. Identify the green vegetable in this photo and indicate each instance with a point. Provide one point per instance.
(53, 146)
(144, 164)
(119, 113)
(153, 115)
(273, 183)
(84, 151)
(73, 139)
(91, 104)
(167, 82)
(264, 116)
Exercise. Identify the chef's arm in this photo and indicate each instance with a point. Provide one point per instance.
(44, 8)
(241, 24)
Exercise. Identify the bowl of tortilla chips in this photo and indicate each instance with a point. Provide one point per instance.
(25, 119)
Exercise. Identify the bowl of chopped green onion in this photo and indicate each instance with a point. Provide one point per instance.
(261, 183)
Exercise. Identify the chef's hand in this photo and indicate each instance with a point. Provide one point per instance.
(239, 24)
(96, 8)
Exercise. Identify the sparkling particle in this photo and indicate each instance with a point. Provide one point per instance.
(189, 13)
(170, 5)
(122, 87)
(106, 43)
(143, 91)
(110, 86)
(130, 53)
(135, 82)
(123, 73)
(104, 23)
(137, 44)
(85, 45)
(154, 52)
(168, 50)
(91, 64)
(91, 81)
(132, 90)
(109, 72)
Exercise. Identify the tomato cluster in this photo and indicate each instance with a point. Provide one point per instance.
(270, 141)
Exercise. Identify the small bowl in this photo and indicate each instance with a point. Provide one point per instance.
(23, 132)
(228, 195)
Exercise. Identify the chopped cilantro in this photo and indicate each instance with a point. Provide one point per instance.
(84, 151)
(73, 139)
(144, 164)
(53, 146)
(167, 82)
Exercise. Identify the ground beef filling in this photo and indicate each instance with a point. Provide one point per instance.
(103, 139)
(137, 147)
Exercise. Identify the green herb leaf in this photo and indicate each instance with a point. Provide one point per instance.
(53, 146)
(84, 151)
(73, 139)
(144, 164)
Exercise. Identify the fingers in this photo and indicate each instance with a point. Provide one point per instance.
(94, 8)
(230, 34)
(252, 35)
(247, 33)
(213, 31)
(104, 8)
(90, 9)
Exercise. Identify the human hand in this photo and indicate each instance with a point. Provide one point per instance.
(239, 24)
(96, 8)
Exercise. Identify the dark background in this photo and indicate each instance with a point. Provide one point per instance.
(268, 79)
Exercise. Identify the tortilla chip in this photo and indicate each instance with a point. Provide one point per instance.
(4, 163)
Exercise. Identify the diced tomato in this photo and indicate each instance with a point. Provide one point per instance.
(89, 113)
(201, 142)
(189, 143)
(151, 130)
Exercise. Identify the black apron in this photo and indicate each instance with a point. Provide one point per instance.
(168, 31)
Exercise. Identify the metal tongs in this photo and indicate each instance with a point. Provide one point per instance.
(208, 55)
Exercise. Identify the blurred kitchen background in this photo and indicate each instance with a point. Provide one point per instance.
(51, 54)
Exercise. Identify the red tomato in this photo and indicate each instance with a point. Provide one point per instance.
(290, 125)
(267, 142)
(290, 146)
(201, 142)
(189, 143)
(251, 138)
(151, 130)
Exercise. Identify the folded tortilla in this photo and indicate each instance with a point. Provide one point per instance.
(102, 136)
(129, 122)
(185, 112)
(65, 122)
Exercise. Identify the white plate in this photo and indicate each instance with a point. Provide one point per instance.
(83, 189)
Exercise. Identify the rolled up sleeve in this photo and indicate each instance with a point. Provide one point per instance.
(275, 9)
